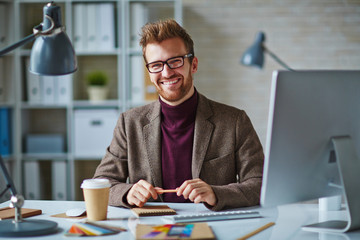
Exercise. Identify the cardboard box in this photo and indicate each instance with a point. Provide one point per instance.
(45, 143)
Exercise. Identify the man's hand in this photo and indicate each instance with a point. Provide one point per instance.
(197, 191)
(140, 193)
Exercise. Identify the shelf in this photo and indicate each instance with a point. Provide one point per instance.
(7, 104)
(26, 105)
(88, 158)
(113, 52)
(45, 156)
(34, 113)
(100, 104)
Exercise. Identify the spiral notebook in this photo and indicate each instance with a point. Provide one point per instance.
(158, 210)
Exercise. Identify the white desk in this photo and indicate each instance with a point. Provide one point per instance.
(288, 218)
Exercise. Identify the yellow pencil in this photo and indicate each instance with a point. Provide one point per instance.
(257, 231)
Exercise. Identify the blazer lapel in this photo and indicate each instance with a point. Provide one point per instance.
(152, 139)
(202, 134)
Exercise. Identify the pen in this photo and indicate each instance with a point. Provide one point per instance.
(257, 231)
(166, 191)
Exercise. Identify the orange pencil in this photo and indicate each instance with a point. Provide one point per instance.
(257, 231)
(161, 191)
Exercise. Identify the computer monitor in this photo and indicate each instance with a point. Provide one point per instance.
(313, 141)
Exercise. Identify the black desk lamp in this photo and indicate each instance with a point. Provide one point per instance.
(52, 52)
(254, 55)
(19, 227)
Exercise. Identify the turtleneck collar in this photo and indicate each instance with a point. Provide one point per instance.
(179, 116)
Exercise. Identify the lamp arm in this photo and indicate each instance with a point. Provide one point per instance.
(36, 31)
(9, 183)
(277, 59)
(18, 44)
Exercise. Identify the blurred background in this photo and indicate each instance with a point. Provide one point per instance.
(54, 132)
(306, 34)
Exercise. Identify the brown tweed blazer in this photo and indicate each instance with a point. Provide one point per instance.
(227, 153)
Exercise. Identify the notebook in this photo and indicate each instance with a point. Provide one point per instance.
(7, 212)
(158, 210)
(174, 231)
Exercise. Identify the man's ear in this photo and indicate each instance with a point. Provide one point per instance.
(194, 65)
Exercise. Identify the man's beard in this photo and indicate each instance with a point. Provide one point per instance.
(181, 93)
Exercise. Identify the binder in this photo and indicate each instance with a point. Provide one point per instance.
(106, 26)
(3, 25)
(137, 79)
(139, 16)
(91, 19)
(150, 90)
(80, 36)
(4, 131)
(59, 180)
(48, 93)
(2, 77)
(34, 87)
(32, 180)
(63, 89)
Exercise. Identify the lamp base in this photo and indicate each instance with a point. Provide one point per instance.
(8, 228)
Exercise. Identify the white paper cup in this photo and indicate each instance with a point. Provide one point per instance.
(330, 203)
(96, 196)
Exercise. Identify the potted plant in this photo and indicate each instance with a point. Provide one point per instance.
(97, 85)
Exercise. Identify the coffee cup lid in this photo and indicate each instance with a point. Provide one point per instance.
(95, 183)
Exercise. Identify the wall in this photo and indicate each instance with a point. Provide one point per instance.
(306, 34)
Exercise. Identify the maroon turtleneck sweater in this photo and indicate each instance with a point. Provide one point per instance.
(177, 126)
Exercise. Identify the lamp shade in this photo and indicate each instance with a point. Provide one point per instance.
(254, 55)
(52, 53)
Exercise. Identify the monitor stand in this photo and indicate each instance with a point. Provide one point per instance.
(349, 168)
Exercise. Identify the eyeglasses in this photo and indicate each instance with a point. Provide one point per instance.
(174, 62)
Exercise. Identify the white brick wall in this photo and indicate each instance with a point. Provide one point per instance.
(306, 34)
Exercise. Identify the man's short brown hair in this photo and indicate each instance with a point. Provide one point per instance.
(163, 30)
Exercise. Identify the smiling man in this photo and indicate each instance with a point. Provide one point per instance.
(200, 150)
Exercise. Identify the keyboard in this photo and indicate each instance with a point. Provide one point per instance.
(212, 216)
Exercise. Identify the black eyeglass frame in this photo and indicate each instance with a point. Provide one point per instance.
(166, 62)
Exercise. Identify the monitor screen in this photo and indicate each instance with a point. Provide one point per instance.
(307, 109)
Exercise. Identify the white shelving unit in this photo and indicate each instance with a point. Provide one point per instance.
(63, 171)
(7, 89)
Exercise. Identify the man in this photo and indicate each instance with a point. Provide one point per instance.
(208, 152)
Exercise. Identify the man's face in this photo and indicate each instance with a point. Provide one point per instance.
(173, 85)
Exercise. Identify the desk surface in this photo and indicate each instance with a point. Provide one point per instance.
(288, 218)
